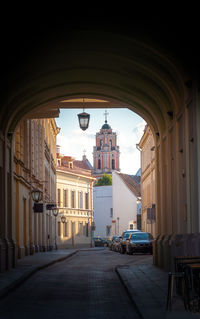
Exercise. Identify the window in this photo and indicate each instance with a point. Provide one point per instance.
(80, 200)
(111, 212)
(59, 229)
(72, 199)
(65, 198)
(80, 228)
(86, 229)
(99, 164)
(113, 164)
(59, 197)
(66, 229)
(131, 226)
(86, 200)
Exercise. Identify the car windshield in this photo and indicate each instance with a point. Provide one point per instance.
(140, 236)
(126, 235)
(114, 237)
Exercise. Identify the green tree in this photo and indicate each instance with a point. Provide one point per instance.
(104, 180)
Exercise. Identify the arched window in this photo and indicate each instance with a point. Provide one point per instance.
(113, 164)
(99, 164)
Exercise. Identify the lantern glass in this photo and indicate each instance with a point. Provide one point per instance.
(37, 195)
(63, 219)
(84, 119)
(55, 211)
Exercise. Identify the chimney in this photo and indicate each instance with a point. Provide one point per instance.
(58, 149)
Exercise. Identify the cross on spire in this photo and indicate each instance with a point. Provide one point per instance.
(106, 113)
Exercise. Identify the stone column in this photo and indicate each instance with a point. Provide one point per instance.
(3, 208)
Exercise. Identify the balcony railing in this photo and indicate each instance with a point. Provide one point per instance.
(75, 212)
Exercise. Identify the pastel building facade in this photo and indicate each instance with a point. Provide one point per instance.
(74, 202)
(34, 167)
(148, 209)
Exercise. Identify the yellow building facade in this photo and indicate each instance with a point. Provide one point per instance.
(148, 208)
(75, 203)
(34, 167)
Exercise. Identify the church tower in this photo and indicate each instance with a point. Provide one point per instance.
(106, 151)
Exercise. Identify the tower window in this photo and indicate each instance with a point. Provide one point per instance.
(99, 164)
(113, 164)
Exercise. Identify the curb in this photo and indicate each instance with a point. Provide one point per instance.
(27, 275)
(128, 292)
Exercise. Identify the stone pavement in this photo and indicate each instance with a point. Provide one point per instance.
(145, 284)
(28, 266)
(147, 287)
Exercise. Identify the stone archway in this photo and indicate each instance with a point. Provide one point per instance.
(136, 74)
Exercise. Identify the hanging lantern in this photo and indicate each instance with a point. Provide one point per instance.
(37, 195)
(63, 219)
(55, 211)
(84, 119)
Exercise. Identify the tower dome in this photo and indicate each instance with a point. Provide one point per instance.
(106, 126)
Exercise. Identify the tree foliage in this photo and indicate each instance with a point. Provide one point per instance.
(104, 180)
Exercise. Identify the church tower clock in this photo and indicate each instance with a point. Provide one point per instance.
(106, 152)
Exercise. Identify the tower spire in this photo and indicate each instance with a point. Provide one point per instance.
(106, 113)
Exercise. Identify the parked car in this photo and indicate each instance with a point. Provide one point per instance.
(112, 242)
(116, 243)
(107, 241)
(101, 242)
(139, 242)
(125, 236)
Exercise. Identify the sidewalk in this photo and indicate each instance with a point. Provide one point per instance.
(28, 266)
(147, 288)
(145, 284)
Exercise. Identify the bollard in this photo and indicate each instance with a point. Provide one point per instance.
(166, 252)
(155, 251)
(160, 251)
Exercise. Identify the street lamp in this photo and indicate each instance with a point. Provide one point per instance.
(118, 224)
(84, 119)
(37, 195)
(63, 219)
(55, 213)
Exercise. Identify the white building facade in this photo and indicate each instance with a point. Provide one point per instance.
(125, 193)
(103, 210)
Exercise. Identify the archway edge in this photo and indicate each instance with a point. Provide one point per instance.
(132, 68)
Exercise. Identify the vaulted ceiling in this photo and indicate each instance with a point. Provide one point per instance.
(111, 67)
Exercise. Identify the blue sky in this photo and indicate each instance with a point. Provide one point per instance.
(128, 125)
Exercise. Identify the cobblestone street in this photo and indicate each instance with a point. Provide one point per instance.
(84, 286)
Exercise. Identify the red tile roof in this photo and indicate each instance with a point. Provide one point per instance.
(81, 164)
(131, 183)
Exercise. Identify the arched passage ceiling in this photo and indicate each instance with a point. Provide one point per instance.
(118, 68)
